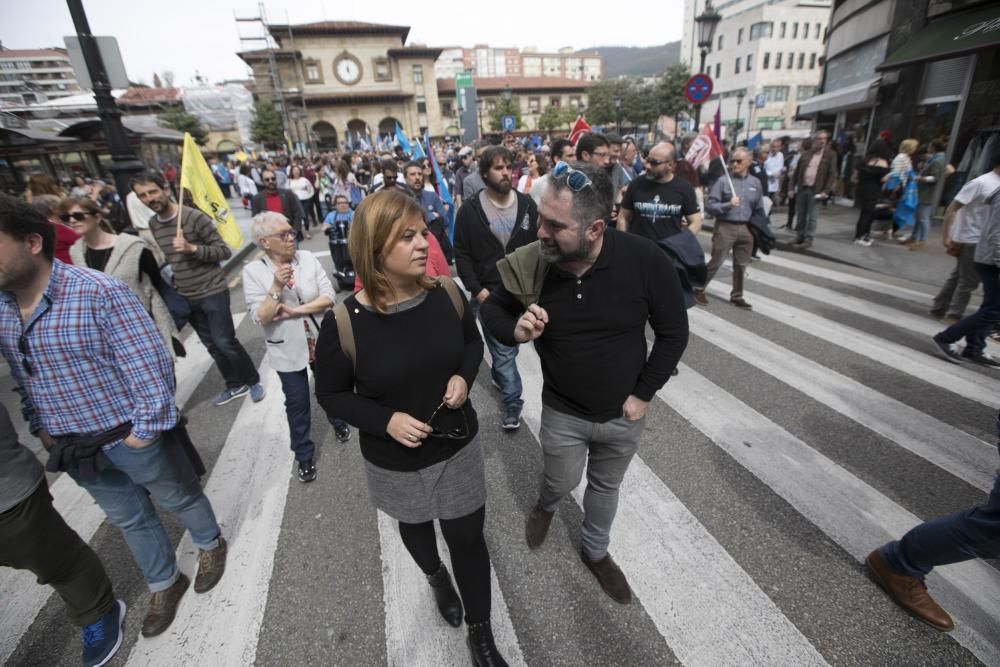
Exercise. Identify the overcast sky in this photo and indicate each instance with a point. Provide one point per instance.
(185, 36)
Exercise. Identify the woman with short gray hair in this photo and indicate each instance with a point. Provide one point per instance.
(287, 291)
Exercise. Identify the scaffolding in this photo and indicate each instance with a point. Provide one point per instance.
(254, 31)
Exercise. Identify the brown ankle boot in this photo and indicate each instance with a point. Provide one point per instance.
(163, 607)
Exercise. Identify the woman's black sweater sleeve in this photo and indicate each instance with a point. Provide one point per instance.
(472, 356)
(335, 384)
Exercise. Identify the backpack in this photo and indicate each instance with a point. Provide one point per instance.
(345, 331)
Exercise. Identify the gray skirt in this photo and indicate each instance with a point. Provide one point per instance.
(446, 490)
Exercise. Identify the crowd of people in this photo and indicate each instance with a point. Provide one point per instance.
(546, 238)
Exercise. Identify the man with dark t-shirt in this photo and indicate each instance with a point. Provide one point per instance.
(658, 204)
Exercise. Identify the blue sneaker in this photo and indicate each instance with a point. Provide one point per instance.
(257, 393)
(102, 639)
(230, 394)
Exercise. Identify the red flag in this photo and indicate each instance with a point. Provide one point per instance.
(704, 148)
(579, 128)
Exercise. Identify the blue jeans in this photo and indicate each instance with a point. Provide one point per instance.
(964, 535)
(123, 491)
(923, 222)
(298, 407)
(977, 326)
(504, 369)
(212, 320)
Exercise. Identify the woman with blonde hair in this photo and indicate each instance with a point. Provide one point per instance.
(902, 183)
(123, 256)
(399, 366)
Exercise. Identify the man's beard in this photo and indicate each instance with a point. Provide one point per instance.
(553, 255)
(501, 188)
(19, 274)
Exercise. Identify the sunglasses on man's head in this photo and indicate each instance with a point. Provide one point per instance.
(575, 179)
(79, 216)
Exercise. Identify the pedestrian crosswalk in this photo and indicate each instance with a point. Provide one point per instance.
(795, 439)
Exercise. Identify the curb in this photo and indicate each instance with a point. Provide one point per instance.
(786, 246)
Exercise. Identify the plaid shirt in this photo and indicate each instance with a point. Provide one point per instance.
(89, 358)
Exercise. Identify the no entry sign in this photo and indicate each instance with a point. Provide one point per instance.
(698, 88)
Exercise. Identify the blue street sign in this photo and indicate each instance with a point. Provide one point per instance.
(698, 88)
(509, 123)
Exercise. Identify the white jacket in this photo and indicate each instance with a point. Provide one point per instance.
(286, 339)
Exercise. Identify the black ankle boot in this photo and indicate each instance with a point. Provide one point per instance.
(448, 602)
(481, 646)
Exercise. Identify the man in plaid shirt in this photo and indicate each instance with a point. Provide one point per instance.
(97, 388)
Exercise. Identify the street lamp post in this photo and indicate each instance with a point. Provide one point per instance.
(706, 22)
(618, 114)
(124, 162)
(739, 116)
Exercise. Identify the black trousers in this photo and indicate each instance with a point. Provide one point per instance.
(865, 219)
(34, 537)
(470, 558)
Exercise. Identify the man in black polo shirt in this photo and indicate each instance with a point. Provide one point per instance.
(658, 204)
(588, 324)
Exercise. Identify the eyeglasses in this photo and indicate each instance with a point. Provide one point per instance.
(575, 179)
(657, 163)
(22, 347)
(737, 161)
(269, 180)
(287, 235)
(457, 433)
(79, 216)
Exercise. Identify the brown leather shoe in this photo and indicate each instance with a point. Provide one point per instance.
(700, 298)
(163, 607)
(537, 526)
(211, 565)
(739, 302)
(610, 576)
(910, 593)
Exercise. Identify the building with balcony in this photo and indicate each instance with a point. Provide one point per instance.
(495, 62)
(769, 51)
(337, 76)
(29, 76)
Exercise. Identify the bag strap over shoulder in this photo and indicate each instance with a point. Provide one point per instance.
(345, 332)
(456, 297)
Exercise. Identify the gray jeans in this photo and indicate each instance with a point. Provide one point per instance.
(963, 281)
(806, 214)
(568, 444)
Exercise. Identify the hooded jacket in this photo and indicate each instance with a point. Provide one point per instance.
(477, 249)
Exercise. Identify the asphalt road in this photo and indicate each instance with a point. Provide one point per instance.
(795, 439)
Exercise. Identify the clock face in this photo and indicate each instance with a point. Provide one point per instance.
(347, 69)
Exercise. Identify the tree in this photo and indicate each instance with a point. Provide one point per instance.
(553, 118)
(178, 119)
(669, 90)
(505, 108)
(265, 125)
(601, 100)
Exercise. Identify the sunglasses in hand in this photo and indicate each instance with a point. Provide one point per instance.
(457, 432)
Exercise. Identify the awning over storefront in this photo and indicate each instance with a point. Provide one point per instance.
(950, 36)
(858, 96)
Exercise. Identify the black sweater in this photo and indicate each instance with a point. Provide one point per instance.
(404, 362)
(477, 249)
(593, 350)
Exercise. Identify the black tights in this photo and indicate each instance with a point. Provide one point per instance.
(470, 559)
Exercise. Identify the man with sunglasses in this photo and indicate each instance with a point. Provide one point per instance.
(279, 200)
(97, 388)
(733, 201)
(658, 204)
(587, 320)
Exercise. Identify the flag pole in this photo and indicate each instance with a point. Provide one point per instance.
(726, 170)
(180, 190)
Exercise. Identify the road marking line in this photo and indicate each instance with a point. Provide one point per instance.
(870, 284)
(415, 633)
(657, 540)
(947, 447)
(248, 489)
(921, 365)
(849, 511)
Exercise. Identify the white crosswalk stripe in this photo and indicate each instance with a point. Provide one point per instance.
(698, 598)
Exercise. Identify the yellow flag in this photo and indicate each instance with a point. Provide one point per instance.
(197, 178)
